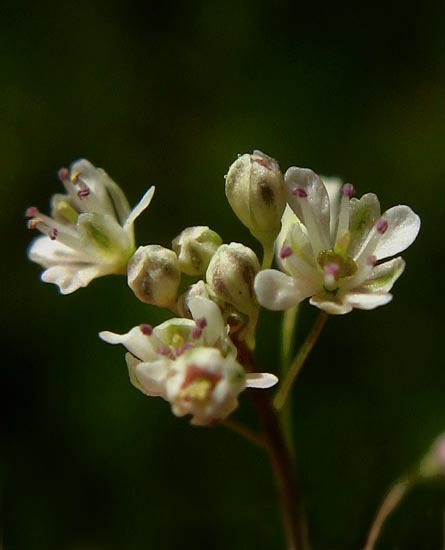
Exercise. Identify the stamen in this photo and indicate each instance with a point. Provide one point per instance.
(348, 190)
(147, 330)
(45, 228)
(63, 232)
(32, 224)
(342, 236)
(185, 347)
(75, 177)
(363, 273)
(285, 252)
(382, 226)
(63, 175)
(32, 212)
(83, 193)
(299, 192)
(165, 350)
(53, 234)
(201, 322)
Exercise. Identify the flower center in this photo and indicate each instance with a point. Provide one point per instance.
(175, 347)
(198, 384)
(335, 266)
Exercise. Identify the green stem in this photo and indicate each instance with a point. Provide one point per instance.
(268, 254)
(287, 336)
(299, 360)
(287, 341)
(389, 503)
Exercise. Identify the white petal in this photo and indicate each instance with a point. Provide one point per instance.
(139, 208)
(48, 253)
(403, 227)
(364, 213)
(203, 308)
(287, 221)
(367, 301)
(118, 197)
(136, 342)
(277, 291)
(260, 380)
(383, 276)
(317, 197)
(334, 308)
(152, 377)
(70, 277)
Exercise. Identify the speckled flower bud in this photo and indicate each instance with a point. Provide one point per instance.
(195, 247)
(256, 193)
(154, 276)
(231, 274)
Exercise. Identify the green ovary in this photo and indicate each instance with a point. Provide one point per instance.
(346, 265)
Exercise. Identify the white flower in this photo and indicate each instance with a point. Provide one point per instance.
(205, 384)
(90, 232)
(189, 353)
(332, 246)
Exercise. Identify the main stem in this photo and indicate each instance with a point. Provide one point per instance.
(280, 458)
(283, 470)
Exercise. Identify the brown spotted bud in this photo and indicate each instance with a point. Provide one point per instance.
(255, 191)
(154, 276)
(231, 274)
(195, 247)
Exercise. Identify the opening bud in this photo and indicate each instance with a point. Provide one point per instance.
(195, 247)
(154, 276)
(231, 274)
(255, 191)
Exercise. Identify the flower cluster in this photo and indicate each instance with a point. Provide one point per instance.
(329, 249)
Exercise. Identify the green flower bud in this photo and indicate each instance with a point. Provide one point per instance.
(256, 193)
(195, 247)
(231, 274)
(154, 276)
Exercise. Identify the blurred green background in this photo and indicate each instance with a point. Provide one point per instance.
(168, 94)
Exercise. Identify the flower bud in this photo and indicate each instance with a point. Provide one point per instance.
(154, 276)
(256, 193)
(231, 274)
(197, 289)
(195, 247)
(433, 463)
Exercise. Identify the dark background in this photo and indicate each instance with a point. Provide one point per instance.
(168, 94)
